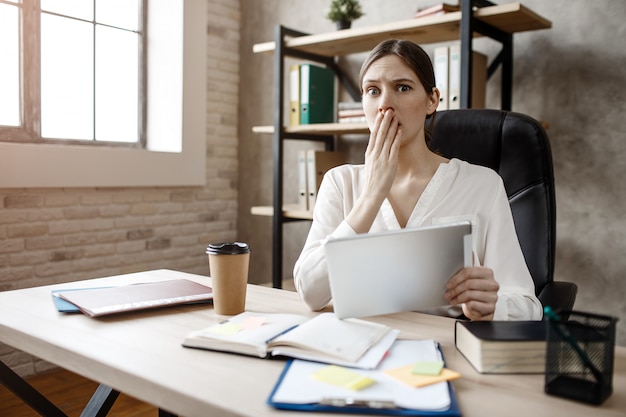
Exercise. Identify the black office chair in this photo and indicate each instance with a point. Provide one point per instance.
(516, 146)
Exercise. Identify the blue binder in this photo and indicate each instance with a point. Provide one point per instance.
(348, 404)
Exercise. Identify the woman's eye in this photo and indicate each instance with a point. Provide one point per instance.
(372, 91)
(403, 88)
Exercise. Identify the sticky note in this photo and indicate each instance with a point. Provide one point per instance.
(253, 322)
(225, 328)
(343, 377)
(405, 374)
(428, 368)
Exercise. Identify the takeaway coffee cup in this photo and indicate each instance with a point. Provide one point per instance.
(228, 267)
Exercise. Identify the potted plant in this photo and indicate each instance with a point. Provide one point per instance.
(343, 12)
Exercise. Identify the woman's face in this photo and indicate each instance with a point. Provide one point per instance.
(389, 83)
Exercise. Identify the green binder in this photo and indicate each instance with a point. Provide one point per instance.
(317, 94)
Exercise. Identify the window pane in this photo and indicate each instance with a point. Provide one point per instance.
(117, 85)
(81, 9)
(66, 78)
(120, 13)
(10, 67)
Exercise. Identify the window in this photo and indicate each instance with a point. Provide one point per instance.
(81, 69)
(10, 68)
(174, 152)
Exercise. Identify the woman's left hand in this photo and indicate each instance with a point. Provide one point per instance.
(476, 289)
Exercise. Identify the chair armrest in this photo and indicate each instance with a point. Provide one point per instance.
(559, 295)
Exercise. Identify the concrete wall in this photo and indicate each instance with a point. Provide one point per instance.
(59, 235)
(570, 76)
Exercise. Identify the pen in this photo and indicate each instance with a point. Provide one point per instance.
(554, 319)
(280, 334)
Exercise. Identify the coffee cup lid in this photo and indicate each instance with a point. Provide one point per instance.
(228, 248)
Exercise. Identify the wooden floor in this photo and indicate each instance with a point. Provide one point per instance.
(69, 392)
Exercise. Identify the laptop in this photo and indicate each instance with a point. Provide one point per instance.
(389, 272)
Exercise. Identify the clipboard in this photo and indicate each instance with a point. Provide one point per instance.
(324, 398)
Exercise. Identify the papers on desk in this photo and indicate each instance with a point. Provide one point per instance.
(325, 338)
(298, 389)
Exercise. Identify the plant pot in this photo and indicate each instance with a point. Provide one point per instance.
(343, 24)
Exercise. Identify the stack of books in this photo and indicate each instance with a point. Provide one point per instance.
(350, 112)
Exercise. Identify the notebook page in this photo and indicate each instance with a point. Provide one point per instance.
(347, 339)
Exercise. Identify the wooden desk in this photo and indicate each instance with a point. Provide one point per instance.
(140, 354)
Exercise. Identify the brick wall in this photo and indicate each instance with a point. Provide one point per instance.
(49, 236)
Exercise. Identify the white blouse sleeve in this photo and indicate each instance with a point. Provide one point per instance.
(310, 271)
(502, 253)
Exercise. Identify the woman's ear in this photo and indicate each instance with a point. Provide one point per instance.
(433, 101)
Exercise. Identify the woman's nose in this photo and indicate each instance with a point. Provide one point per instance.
(385, 103)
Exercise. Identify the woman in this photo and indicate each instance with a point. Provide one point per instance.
(404, 184)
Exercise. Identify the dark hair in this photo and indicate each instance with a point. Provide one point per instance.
(414, 56)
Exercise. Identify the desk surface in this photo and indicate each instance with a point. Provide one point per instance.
(140, 354)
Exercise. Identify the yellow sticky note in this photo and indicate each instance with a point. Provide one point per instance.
(405, 374)
(225, 328)
(428, 368)
(343, 377)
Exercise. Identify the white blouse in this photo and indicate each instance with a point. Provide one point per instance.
(457, 191)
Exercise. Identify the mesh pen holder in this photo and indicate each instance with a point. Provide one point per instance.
(579, 356)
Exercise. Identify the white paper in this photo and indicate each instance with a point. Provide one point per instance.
(370, 360)
(346, 340)
(298, 386)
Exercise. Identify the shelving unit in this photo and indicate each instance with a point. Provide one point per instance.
(498, 22)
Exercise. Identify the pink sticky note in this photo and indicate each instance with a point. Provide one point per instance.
(252, 322)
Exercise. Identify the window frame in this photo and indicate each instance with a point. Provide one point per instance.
(30, 80)
(181, 162)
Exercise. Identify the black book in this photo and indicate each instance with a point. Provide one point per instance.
(503, 347)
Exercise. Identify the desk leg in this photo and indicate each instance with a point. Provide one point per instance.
(27, 393)
(98, 406)
(101, 402)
